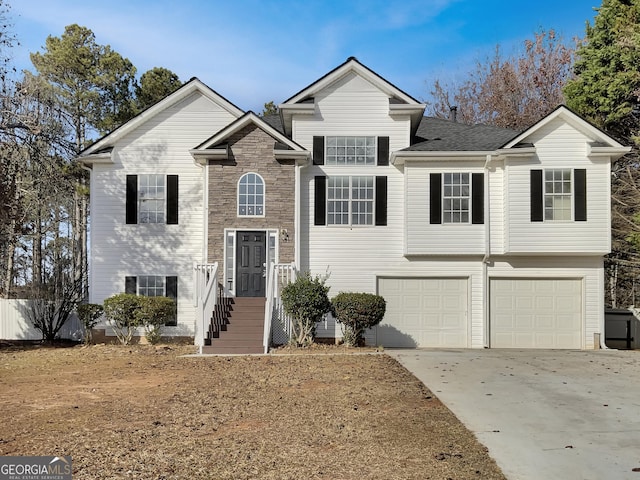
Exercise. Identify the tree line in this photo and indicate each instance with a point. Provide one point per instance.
(78, 91)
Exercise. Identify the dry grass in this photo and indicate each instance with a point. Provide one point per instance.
(146, 413)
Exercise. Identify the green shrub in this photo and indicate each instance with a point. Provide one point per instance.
(356, 312)
(89, 315)
(153, 314)
(120, 311)
(307, 301)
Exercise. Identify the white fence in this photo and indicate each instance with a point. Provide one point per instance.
(14, 324)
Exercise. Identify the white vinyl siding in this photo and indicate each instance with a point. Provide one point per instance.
(159, 146)
(351, 106)
(423, 312)
(424, 238)
(558, 146)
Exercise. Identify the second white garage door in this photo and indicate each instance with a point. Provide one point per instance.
(536, 313)
(423, 312)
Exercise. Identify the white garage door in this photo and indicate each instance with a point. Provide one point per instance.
(536, 313)
(423, 312)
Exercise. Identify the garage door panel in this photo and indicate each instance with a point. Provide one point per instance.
(423, 312)
(536, 313)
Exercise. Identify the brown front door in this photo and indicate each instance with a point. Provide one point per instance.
(251, 264)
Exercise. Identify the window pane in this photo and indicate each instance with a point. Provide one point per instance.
(251, 196)
(350, 151)
(557, 194)
(456, 197)
(151, 286)
(151, 198)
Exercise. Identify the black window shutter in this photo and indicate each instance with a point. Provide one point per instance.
(132, 199)
(318, 150)
(383, 150)
(172, 199)
(477, 198)
(171, 291)
(580, 189)
(320, 197)
(381, 201)
(435, 198)
(537, 196)
(131, 285)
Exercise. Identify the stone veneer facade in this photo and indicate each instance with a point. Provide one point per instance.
(251, 150)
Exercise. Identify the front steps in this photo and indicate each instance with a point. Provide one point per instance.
(243, 331)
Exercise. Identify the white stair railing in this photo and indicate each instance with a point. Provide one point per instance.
(205, 297)
(278, 276)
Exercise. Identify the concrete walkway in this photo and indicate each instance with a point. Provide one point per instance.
(543, 414)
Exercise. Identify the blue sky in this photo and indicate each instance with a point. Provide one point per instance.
(255, 51)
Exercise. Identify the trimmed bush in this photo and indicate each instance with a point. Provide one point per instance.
(307, 301)
(356, 312)
(121, 312)
(89, 314)
(153, 314)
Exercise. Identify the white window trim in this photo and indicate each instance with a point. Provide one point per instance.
(141, 200)
(264, 196)
(468, 197)
(375, 151)
(164, 284)
(230, 283)
(350, 223)
(571, 196)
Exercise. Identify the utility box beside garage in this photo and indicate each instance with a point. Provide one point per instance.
(621, 329)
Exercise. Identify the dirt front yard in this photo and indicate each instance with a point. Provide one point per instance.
(147, 413)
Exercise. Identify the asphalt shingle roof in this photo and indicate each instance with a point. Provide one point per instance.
(439, 135)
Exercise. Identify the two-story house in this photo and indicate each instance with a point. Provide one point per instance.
(476, 236)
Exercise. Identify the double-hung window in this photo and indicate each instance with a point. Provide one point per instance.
(558, 195)
(152, 198)
(350, 200)
(456, 198)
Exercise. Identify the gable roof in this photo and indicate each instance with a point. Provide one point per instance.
(303, 102)
(192, 86)
(216, 146)
(602, 143)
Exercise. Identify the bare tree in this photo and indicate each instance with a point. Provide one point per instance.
(510, 92)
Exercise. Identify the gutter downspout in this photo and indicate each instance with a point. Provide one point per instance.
(487, 253)
(296, 217)
(89, 256)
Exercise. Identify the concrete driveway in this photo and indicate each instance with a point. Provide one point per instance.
(543, 414)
